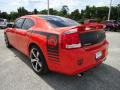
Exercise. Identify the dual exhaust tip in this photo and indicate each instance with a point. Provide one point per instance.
(80, 74)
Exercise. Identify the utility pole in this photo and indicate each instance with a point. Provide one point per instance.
(109, 10)
(48, 7)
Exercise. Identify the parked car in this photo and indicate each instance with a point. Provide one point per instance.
(118, 24)
(93, 24)
(90, 21)
(55, 43)
(10, 24)
(3, 23)
(111, 25)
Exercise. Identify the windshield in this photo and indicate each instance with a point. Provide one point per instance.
(57, 21)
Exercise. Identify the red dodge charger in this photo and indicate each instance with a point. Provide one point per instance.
(58, 44)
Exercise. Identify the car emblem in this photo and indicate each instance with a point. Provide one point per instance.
(97, 36)
(52, 41)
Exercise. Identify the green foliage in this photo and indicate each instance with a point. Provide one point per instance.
(75, 15)
(13, 16)
(22, 11)
(35, 11)
(53, 12)
(98, 13)
(64, 11)
(43, 11)
(4, 15)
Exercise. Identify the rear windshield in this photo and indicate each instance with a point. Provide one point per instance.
(57, 21)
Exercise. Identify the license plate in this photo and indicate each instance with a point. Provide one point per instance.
(98, 54)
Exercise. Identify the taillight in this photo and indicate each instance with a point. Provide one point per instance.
(70, 39)
(90, 28)
(99, 26)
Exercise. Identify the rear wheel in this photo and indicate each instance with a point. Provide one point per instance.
(7, 41)
(38, 62)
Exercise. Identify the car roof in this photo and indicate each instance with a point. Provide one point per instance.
(38, 15)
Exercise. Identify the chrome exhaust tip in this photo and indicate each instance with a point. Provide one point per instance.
(80, 74)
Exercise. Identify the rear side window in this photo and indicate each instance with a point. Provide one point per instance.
(28, 23)
(57, 21)
(19, 22)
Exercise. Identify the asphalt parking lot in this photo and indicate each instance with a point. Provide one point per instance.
(16, 72)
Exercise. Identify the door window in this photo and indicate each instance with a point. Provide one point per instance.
(19, 23)
(28, 23)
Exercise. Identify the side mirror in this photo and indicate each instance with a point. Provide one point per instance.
(10, 25)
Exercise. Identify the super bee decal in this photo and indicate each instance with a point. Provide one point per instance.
(51, 45)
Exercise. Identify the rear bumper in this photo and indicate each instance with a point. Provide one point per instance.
(76, 61)
(86, 67)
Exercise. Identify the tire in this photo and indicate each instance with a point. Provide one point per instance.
(38, 61)
(7, 41)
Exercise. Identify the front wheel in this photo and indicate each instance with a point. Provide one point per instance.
(38, 62)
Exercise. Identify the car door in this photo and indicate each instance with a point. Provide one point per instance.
(22, 36)
(11, 32)
(17, 27)
(11, 35)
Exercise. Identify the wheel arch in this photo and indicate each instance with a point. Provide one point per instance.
(33, 44)
(44, 58)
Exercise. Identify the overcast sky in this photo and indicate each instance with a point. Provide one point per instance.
(12, 5)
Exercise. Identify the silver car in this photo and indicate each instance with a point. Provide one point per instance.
(3, 23)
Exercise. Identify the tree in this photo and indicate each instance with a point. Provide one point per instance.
(22, 11)
(13, 16)
(35, 11)
(64, 11)
(99, 13)
(53, 11)
(118, 11)
(75, 15)
(95, 13)
(43, 11)
(4, 15)
(88, 12)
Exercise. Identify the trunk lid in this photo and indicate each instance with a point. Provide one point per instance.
(92, 37)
